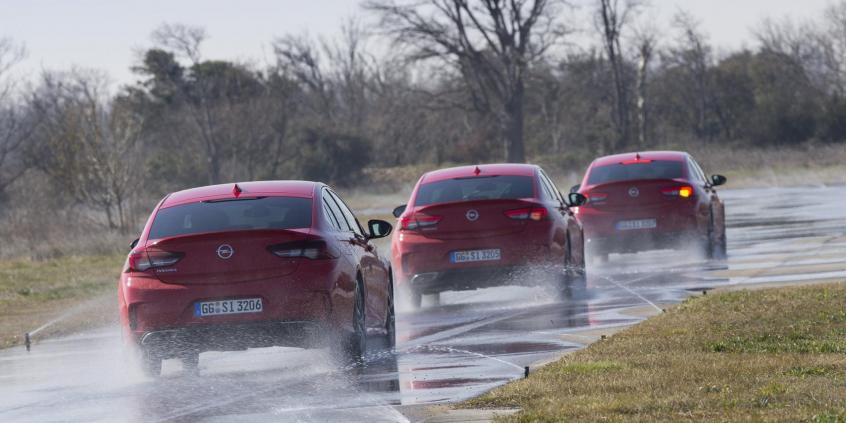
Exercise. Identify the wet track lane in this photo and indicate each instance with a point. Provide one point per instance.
(470, 343)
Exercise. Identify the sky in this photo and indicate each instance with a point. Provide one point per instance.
(107, 34)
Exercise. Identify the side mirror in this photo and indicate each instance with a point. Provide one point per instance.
(134, 243)
(717, 180)
(574, 199)
(399, 210)
(379, 228)
(575, 188)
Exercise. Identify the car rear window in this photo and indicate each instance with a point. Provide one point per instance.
(475, 188)
(655, 169)
(232, 215)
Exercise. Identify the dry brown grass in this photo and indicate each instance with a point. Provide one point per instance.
(768, 355)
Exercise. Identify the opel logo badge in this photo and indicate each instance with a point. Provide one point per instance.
(634, 192)
(472, 215)
(225, 251)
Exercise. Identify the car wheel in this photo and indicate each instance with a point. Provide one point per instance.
(722, 250)
(357, 341)
(391, 320)
(151, 363)
(416, 298)
(190, 361)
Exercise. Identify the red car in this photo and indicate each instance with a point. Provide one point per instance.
(651, 200)
(255, 264)
(478, 226)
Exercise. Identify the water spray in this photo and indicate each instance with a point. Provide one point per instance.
(27, 342)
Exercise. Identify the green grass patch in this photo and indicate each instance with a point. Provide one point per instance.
(768, 355)
(34, 292)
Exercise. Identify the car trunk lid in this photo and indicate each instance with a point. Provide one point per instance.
(226, 257)
(473, 219)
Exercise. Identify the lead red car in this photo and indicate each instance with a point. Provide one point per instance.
(651, 200)
(478, 226)
(257, 264)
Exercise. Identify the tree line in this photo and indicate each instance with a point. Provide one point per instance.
(461, 81)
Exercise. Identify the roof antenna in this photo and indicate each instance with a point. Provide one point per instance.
(236, 191)
(477, 171)
(637, 157)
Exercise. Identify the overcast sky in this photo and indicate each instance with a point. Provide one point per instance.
(104, 34)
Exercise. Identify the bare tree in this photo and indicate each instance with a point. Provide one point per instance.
(187, 41)
(336, 74)
(693, 55)
(612, 19)
(16, 121)
(645, 40)
(87, 142)
(491, 43)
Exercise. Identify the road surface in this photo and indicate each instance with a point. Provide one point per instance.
(470, 343)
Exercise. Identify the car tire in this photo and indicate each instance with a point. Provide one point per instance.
(391, 320)
(352, 346)
(722, 249)
(190, 361)
(416, 298)
(151, 363)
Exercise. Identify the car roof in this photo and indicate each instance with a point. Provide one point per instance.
(304, 189)
(675, 156)
(510, 169)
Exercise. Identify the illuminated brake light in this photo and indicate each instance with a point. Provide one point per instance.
(683, 192)
(528, 213)
(416, 222)
(142, 260)
(636, 161)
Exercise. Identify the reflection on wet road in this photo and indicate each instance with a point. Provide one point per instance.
(470, 343)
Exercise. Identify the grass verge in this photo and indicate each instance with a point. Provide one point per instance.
(768, 355)
(78, 291)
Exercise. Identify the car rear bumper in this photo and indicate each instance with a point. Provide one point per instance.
(415, 254)
(478, 277)
(644, 240)
(149, 306)
(231, 337)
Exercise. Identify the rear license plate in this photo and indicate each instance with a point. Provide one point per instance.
(492, 254)
(216, 308)
(627, 225)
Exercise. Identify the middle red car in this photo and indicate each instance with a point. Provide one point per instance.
(479, 226)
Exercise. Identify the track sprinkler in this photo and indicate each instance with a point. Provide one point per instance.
(27, 342)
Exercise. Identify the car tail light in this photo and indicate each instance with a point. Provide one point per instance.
(682, 191)
(596, 198)
(416, 222)
(313, 250)
(528, 213)
(143, 260)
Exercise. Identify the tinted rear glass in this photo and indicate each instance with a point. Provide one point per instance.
(476, 188)
(656, 169)
(238, 215)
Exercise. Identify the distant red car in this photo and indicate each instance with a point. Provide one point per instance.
(256, 264)
(651, 200)
(478, 226)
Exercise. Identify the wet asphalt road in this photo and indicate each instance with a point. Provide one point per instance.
(471, 342)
